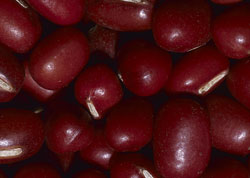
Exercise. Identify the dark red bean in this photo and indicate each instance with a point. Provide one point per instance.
(132, 165)
(144, 69)
(226, 1)
(230, 125)
(231, 31)
(68, 130)
(181, 25)
(21, 134)
(34, 89)
(98, 89)
(181, 139)
(37, 170)
(129, 125)
(12, 75)
(225, 167)
(65, 160)
(61, 12)
(20, 27)
(238, 81)
(90, 173)
(198, 72)
(58, 59)
(103, 39)
(98, 152)
(122, 15)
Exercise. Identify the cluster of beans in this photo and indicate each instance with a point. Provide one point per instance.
(124, 88)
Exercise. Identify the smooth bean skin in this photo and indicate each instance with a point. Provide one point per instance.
(225, 167)
(20, 26)
(180, 26)
(21, 134)
(132, 165)
(181, 143)
(98, 89)
(144, 68)
(37, 170)
(122, 15)
(61, 12)
(238, 81)
(103, 39)
(69, 130)
(229, 124)
(59, 58)
(33, 88)
(90, 173)
(231, 31)
(198, 72)
(11, 75)
(98, 152)
(129, 125)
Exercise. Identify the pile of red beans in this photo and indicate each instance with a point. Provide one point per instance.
(124, 88)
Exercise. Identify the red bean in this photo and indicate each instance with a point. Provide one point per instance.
(225, 1)
(144, 68)
(132, 165)
(230, 125)
(90, 173)
(68, 130)
(34, 89)
(198, 72)
(181, 25)
(61, 12)
(21, 134)
(98, 152)
(58, 59)
(12, 75)
(181, 139)
(231, 32)
(122, 15)
(238, 81)
(20, 27)
(129, 125)
(98, 89)
(37, 170)
(103, 39)
(225, 167)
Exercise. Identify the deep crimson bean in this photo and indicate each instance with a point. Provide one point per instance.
(65, 160)
(231, 31)
(20, 27)
(181, 25)
(90, 173)
(144, 68)
(2, 175)
(34, 89)
(129, 125)
(69, 130)
(198, 72)
(181, 139)
(21, 134)
(128, 15)
(58, 59)
(230, 125)
(132, 165)
(98, 152)
(103, 39)
(11, 75)
(226, 1)
(225, 167)
(62, 12)
(98, 89)
(238, 81)
(37, 170)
